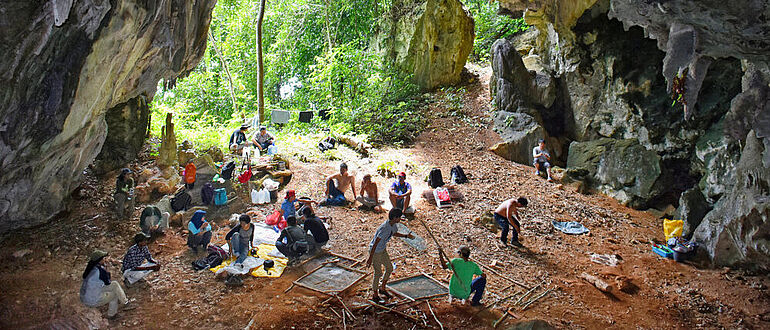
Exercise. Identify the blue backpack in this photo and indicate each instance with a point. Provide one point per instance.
(220, 196)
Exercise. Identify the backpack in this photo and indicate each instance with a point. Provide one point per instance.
(215, 257)
(227, 170)
(458, 175)
(207, 193)
(189, 173)
(435, 179)
(181, 201)
(220, 196)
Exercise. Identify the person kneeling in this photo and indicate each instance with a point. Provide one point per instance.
(295, 244)
(319, 236)
(240, 238)
(462, 283)
(134, 266)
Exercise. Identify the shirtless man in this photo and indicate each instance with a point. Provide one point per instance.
(335, 193)
(369, 196)
(506, 215)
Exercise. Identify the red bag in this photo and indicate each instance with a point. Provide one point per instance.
(245, 176)
(274, 218)
(189, 173)
(282, 224)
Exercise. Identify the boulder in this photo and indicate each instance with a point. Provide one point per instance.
(692, 208)
(520, 133)
(430, 40)
(622, 169)
(66, 65)
(204, 165)
(185, 156)
(735, 232)
(216, 154)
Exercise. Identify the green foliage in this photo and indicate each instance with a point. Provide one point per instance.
(490, 26)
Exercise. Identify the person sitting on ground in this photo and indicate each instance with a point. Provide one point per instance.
(200, 231)
(134, 266)
(378, 253)
(124, 190)
(97, 288)
(240, 238)
(262, 139)
(401, 193)
(238, 139)
(288, 207)
(152, 221)
(319, 236)
(462, 283)
(295, 244)
(506, 215)
(369, 196)
(335, 193)
(541, 159)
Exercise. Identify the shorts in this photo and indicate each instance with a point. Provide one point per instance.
(545, 164)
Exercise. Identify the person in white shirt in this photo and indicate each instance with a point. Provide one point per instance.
(378, 254)
(541, 159)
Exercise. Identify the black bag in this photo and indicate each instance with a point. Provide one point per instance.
(435, 179)
(215, 257)
(181, 201)
(299, 247)
(207, 193)
(327, 144)
(458, 175)
(227, 170)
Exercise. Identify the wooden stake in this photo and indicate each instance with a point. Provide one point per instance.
(434, 315)
(410, 318)
(501, 276)
(500, 320)
(345, 307)
(535, 299)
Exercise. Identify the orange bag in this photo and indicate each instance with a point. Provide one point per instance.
(189, 173)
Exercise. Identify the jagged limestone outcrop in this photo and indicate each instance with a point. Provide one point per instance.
(430, 40)
(64, 65)
(614, 62)
(127, 127)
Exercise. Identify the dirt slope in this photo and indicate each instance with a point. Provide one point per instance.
(41, 288)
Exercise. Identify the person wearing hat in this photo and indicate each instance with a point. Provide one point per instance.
(152, 221)
(134, 266)
(462, 283)
(238, 138)
(335, 193)
(378, 253)
(200, 231)
(262, 139)
(240, 238)
(97, 288)
(401, 194)
(288, 207)
(124, 189)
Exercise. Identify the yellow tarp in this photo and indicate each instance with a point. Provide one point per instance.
(672, 228)
(262, 252)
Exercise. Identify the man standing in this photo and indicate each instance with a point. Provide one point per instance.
(464, 269)
(506, 215)
(262, 139)
(335, 193)
(238, 138)
(134, 266)
(541, 159)
(401, 193)
(378, 254)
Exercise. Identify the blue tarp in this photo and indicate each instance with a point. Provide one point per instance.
(570, 227)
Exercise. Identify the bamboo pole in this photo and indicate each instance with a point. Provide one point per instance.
(441, 252)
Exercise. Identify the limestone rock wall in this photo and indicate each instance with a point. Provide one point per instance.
(430, 40)
(64, 65)
(613, 62)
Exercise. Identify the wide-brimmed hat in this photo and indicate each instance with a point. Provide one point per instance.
(96, 255)
(245, 126)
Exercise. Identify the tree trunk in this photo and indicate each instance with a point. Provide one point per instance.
(227, 71)
(260, 65)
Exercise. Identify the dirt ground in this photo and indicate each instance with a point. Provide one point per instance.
(40, 289)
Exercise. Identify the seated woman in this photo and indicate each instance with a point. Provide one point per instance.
(152, 221)
(200, 231)
(369, 197)
(97, 288)
(240, 238)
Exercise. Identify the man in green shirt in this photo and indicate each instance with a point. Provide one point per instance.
(465, 269)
